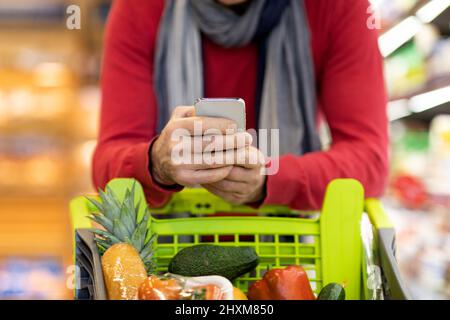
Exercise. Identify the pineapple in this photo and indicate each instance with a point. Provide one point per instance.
(121, 224)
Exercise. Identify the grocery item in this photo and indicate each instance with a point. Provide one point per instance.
(207, 292)
(160, 288)
(371, 255)
(332, 291)
(204, 259)
(410, 190)
(209, 288)
(290, 283)
(123, 271)
(238, 294)
(176, 287)
(121, 224)
(438, 177)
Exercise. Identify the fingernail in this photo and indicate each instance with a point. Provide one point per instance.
(249, 138)
(232, 127)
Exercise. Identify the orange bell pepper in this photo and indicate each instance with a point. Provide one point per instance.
(207, 292)
(155, 288)
(290, 283)
(175, 287)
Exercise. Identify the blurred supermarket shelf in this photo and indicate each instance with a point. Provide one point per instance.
(35, 247)
(418, 201)
(22, 278)
(424, 105)
(42, 12)
(422, 12)
(392, 12)
(33, 226)
(50, 101)
(422, 239)
(418, 67)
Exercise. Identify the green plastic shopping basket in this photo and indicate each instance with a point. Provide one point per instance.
(328, 245)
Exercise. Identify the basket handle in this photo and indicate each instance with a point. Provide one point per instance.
(196, 201)
(394, 285)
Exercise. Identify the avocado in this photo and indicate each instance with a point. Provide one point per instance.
(205, 260)
(332, 291)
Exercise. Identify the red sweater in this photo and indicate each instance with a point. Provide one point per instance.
(350, 93)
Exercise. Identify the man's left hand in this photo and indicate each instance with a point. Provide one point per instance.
(246, 181)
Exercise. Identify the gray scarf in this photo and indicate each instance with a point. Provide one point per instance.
(288, 97)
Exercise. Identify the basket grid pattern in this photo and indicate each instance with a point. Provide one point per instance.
(276, 250)
(327, 246)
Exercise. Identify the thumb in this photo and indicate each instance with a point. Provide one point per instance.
(183, 112)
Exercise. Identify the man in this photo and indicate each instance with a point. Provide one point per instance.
(296, 61)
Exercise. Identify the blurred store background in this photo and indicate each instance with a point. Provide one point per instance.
(49, 105)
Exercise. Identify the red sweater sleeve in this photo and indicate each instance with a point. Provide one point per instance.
(129, 112)
(353, 100)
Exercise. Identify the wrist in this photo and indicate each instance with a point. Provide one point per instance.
(260, 194)
(156, 169)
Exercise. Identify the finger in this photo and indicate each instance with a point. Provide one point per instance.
(229, 157)
(232, 198)
(183, 112)
(225, 185)
(210, 143)
(195, 177)
(205, 125)
(248, 157)
(211, 175)
(256, 158)
(241, 174)
(203, 166)
(201, 161)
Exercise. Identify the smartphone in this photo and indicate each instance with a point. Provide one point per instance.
(229, 108)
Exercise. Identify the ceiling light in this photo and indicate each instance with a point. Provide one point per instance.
(429, 100)
(432, 10)
(394, 38)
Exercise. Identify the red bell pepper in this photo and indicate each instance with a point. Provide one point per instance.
(290, 283)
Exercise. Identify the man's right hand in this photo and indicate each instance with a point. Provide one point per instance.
(167, 172)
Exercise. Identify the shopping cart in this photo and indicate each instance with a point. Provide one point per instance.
(328, 245)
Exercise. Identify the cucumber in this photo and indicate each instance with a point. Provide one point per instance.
(332, 291)
(206, 260)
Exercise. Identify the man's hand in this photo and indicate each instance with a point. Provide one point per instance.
(166, 171)
(246, 181)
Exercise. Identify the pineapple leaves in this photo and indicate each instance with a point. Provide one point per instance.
(142, 227)
(138, 239)
(101, 249)
(150, 266)
(122, 224)
(120, 231)
(147, 251)
(127, 213)
(96, 204)
(102, 243)
(135, 241)
(136, 209)
(102, 220)
(147, 255)
(111, 205)
(108, 236)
